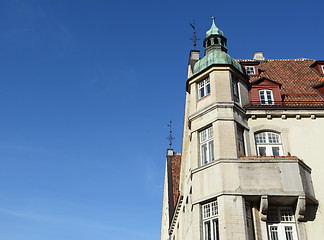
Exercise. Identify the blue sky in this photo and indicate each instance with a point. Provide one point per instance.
(87, 90)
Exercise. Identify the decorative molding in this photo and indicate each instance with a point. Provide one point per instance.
(264, 207)
(289, 113)
(301, 208)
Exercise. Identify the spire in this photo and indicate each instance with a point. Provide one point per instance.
(215, 39)
(213, 30)
(215, 51)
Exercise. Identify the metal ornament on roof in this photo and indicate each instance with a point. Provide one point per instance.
(194, 38)
(170, 137)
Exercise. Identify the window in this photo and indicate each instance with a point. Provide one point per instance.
(268, 144)
(206, 146)
(322, 69)
(266, 97)
(235, 90)
(203, 88)
(240, 141)
(249, 221)
(250, 70)
(281, 224)
(210, 221)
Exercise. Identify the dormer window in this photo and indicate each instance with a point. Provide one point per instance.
(203, 88)
(266, 97)
(250, 70)
(322, 69)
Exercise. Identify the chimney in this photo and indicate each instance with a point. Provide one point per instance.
(170, 152)
(194, 55)
(258, 56)
(193, 58)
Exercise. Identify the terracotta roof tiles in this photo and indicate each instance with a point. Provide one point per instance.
(296, 76)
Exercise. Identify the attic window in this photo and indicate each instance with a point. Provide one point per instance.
(322, 69)
(250, 70)
(266, 97)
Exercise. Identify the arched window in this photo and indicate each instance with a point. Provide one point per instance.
(268, 144)
(266, 97)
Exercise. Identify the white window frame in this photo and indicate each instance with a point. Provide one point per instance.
(266, 97)
(203, 88)
(236, 95)
(267, 142)
(206, 140)
(210, 221)
(322, 69)
(281, 224)
(250, 70)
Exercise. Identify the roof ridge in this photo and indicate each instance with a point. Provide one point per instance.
(278, 59)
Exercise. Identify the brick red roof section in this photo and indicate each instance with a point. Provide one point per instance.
(175, 173)
(295, 75)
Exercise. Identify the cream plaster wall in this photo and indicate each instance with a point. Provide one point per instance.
(303, 138)
(165, 208)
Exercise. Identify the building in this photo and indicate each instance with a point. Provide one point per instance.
(251, 165)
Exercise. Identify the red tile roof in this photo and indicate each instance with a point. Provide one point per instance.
(296, 76)
(175, 173)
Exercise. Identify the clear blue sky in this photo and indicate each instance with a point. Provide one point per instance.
(87, 90)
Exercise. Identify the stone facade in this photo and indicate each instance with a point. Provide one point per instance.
(249, 169)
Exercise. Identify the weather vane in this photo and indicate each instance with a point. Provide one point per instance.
(194, 38)
(170, 137)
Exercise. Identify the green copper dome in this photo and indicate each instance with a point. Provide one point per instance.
(215, 57)
(213, 29)
(215, 51)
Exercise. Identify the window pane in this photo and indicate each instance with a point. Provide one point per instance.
(201, 92)
(207, 230)
(206, 211)
(260, 137)
(289, 233)
(203, 136)
(275, 151)
(206, 146)
(274, 233)
(262, 151)
(262, 97)
(215, 229)
(286, 215)
(269, 97)
(211, 151)
(210, 133)
(204, 153)
(214, 208)
(249, 69)
(207, 89)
